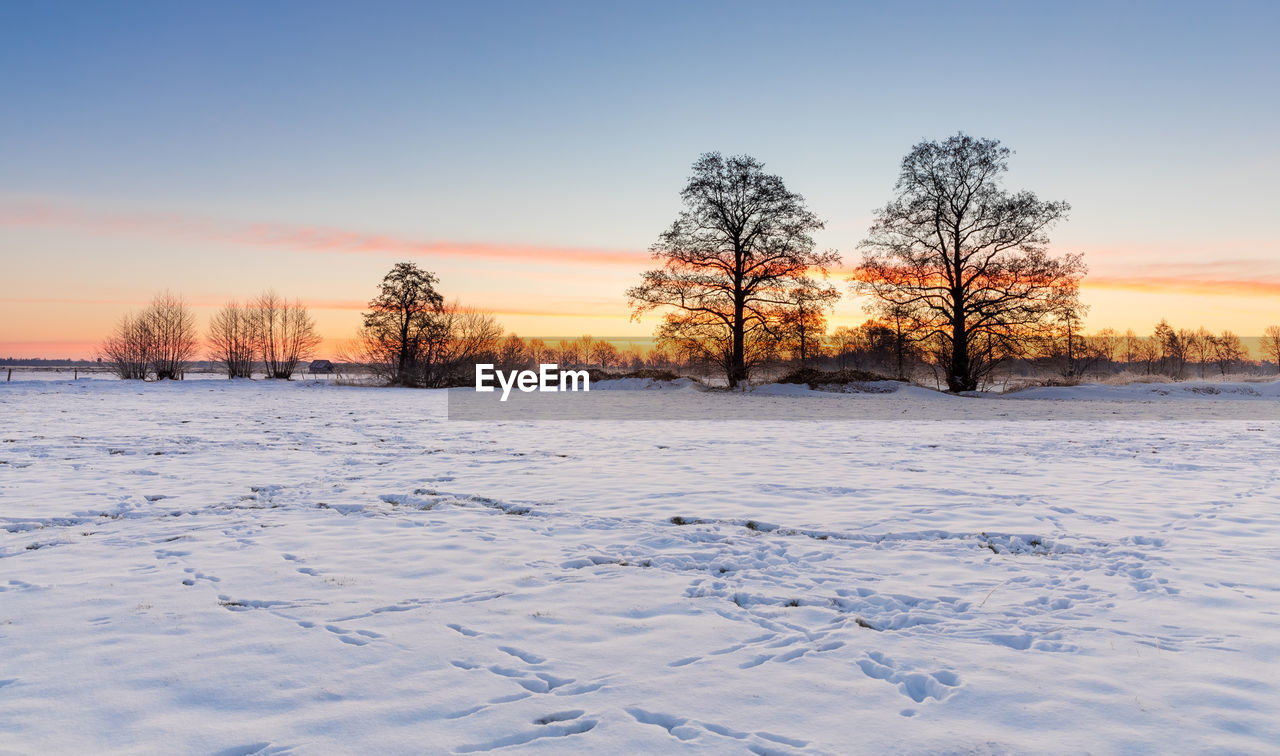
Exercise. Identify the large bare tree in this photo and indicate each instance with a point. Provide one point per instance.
(233, 339)
(967, 259)
(729, 263)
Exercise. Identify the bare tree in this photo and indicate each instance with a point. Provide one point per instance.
(539, 352)
(173, 331)
(604, 354)
(585, 345)
(512, 353)
(568, 352)
(1227, 351)
(1129, 347)
(728, 263)
(1147, 352)
(967, 258)
(1198, 346)
(892, 339)
(285, 334)
(463, 337)
(233, 340)
(844, 344)
(803, 322)
(633, 358)
(129, 350)
(1173, 350)
(659, 357)
(1271, 344)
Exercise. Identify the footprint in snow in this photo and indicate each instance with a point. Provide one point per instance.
(917, 686)
(523, 656)
(553, 729)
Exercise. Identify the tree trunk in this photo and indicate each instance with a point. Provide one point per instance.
(959, 378)
(737, 360)
(403, 357)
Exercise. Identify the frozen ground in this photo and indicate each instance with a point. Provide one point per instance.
(269, 568)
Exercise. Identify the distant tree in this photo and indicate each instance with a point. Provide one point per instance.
(1228, 351)
(967, 259)
(233, 340)
(604, 354)
(1077, 353)
(173, 331)
(729, 262)
(660, 357)
(585, 343)
(1271, 344)
(1173, 351)
(539, 352)
(286, 334)
(802, 325)
(512, 353)
(156, 343)
(462, 337)
(1199, 346)
(1129, 347)
(1147, 353)
(130, 347)
(568, 352)
(403, 319)
(633, 358)
(1105, 343)
(891, 338)
(843, 345)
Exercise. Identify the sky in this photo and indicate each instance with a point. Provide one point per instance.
(529, 153)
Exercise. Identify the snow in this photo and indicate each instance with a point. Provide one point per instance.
(1185, 390)
(236, 567)
(646, 384)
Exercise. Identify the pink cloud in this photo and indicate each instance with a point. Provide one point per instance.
(299, 238)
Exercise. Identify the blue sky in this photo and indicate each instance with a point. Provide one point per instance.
(574, 124)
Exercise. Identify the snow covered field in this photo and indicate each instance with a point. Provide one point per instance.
(268, 568)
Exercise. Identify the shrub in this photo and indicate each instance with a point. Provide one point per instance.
(815, 378)
(651, 373)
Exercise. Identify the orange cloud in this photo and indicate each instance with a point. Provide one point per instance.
(1190, 284)
(300, 238)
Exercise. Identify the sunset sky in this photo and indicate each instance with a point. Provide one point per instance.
(529, 153)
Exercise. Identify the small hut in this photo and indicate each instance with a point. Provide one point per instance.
(320, 367)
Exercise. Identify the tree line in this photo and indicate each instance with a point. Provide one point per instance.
(441, 343)
(956, 271)
(880, 346)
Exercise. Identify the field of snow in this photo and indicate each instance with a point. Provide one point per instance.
(236, 568)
